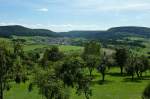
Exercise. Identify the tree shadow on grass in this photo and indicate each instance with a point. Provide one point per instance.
(95, 76)
(116, 74)
(100, 82)
(138, 80)
(145, 78)
(135, 80)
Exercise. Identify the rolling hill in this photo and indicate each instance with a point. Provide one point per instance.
(110, 34)
(7, 31)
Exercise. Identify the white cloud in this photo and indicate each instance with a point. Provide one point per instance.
(57, 27)
(135, 7)
(113, 5)
(43, 9)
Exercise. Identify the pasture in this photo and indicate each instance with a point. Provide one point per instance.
(115, 87)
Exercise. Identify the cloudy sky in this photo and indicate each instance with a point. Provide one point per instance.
(65, 15)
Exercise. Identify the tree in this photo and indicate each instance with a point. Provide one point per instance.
(72, 74)
(54, 54)
(33, 56)
(92, 62)
(5, 69)
(51, 55)
(144, 64)
(49, 85)
(71, 70)
(47, 80)
(102, 67)
(19, 70)
(10, 65)
(121, 57)
(92, 48)
(18, 47)
(146, 93)
(91, 55)
(83, 86)
(131, 65)
(136, 65)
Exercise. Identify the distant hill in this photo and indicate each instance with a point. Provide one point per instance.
(112, 33)
(7, 31)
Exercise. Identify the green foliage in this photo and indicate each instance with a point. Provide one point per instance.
(18, 48)
(19, 69)
(115, 87)
(5, 68)
(92, 62)
(51, 55)
(71, 70)
(136, 65)
(50, 86)
(102, 67)
(72, 73)
(121, 57)
(146, 93)
(92, 48)
(91, 55)
(83, 86)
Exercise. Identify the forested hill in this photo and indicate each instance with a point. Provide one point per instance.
(112, 33)
(7, 31)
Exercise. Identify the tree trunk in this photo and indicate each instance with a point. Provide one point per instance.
(87, 97)
(1, 90)
(103, 78)
(121, 70)
(132, 76)
(137, 74)
(90, 72)
(140, 74)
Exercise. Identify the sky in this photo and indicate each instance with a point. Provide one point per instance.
(66, 15)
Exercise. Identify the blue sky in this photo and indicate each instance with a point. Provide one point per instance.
(66, 15)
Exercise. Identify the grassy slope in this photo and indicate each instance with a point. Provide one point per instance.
(116, 87)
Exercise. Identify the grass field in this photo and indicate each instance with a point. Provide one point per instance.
(115, 87)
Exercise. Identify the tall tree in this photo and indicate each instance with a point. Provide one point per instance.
(121, 57)
(102, 67)
(130, 66)
(91, 55)
(49, 85)
(20, 71)
(18, 58)
(145, 64)
(73, 75)
(71, 70)
(92, 61)
(5, 69)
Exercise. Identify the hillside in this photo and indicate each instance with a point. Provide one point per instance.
(7, 31)
(112, 33)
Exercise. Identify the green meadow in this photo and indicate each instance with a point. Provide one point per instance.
(115, 87)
